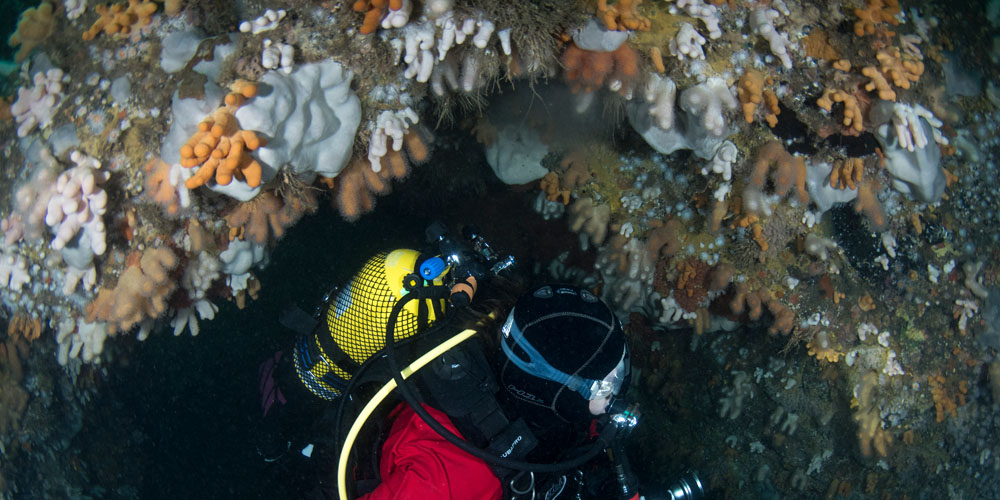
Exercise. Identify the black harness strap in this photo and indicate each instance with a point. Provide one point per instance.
(333, 352)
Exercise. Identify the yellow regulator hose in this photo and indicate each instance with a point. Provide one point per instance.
(380, 396)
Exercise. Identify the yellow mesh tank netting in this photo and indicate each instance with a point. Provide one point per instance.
(356, 320)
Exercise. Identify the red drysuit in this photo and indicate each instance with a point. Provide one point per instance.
(418, 464)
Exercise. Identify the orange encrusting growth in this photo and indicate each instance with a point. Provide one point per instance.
(878, 83)
(220, 148)
(374, 12)
(264, 218)
(588, 70)
(33, 27)
(789, 171)
(158, 186)
(944, 401)
(553, 191)
(119, 19)
(25, 326)
(357, 185)
(143, 291)
(753, 302)
(623, 15)
(773, 109)
(751, 93)
(852, 110)
(656, 56)
(749, 90)
(868, 204)
(874, 14)
(893, 68)
(847, 174)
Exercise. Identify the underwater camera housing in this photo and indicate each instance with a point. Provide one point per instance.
(467, 262)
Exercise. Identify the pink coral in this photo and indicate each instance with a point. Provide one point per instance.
(78, 204)
(35, 106)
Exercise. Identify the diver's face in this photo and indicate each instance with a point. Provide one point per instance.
(612, 383)
(599, 406)
(610, 386)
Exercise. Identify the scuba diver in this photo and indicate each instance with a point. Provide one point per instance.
(491, 401)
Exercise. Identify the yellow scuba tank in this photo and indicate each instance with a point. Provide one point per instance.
(355, 323)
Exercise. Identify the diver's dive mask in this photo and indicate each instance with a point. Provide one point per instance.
(536, 365)
(563, 350)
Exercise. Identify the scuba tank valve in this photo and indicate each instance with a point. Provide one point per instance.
(467, 263)
(433, 268)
